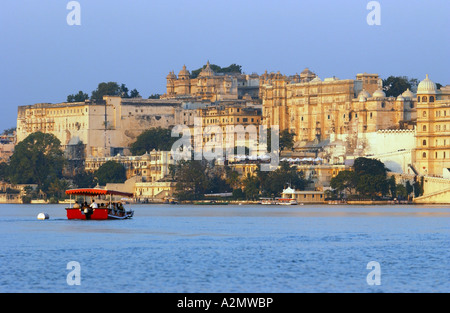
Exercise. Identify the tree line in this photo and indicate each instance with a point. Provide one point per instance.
(367, 179)
(39, 160)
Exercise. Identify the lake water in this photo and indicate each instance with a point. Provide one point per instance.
(234, 248)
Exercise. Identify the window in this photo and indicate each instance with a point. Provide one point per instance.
(424, 99)
(418, 99)
(424, 114)
(431, 98)
(424, 155)
(424, 128)
(424, 143)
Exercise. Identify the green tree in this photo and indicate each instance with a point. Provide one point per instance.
(344, 181)
(371, 177)
(368, 179)
(155, 96)
(418, 188)
(123, 92)
(251, 187)
(111, 172)
(409, 188)
(134, 93)
(401, 192)
(84, 179)
(9, 131)
(4, 171)
(38, 159)
(154, 138)
(272, 183)
(191, 177)
(392, 186)
(372, 186)
(394, 86)
(107, 89)
(233, 68)
(286, 139)
(79, 97)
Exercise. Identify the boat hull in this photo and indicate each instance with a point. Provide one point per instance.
(96, 214)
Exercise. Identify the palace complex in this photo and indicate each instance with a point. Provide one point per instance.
(334, 120)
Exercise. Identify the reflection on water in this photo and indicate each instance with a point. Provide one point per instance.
(233, 248)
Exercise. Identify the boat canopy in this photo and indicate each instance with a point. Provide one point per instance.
(96, 192)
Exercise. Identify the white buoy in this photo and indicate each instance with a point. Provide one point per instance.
(43, 216)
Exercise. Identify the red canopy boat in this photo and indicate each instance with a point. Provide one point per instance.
(100, 208)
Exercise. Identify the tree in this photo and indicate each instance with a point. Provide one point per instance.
(107, 89)
(374, 167)
(402, 193)
(38, 159)
(155, 96)
(251, 187)
(233, 68)
(79, 97)
(9, 131)
(409, 188)
(123, 92)
(191, 178)
(368, 179)
(344, 181)
(84, 180)
(392, 186)
(272, 183)
(394, 86)
(154, 138)
(286, 139)
(134, 93)
(111, 172)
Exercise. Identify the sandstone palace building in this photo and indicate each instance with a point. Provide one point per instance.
(211, 86)
(343, 117)
(315, 109)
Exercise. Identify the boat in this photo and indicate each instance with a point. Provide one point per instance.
(286, 201)
(210, 202)
(105, 208)
(267, 201)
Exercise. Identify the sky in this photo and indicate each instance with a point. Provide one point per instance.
(138, 42)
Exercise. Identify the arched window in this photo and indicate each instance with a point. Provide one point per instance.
(424, 155)
(424, 143)
(424, 114)
(424, 128)
(424, 99)
(418, 99)
(431, 98)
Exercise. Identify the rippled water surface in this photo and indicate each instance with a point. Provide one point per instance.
(234, 248)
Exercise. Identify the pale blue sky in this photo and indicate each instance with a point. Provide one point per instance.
(138, 42)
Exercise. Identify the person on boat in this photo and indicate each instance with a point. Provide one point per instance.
(93, 205)
(76, 205)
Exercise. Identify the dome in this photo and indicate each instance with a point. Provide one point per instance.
(379, 94)
(171, 75)
(306, 71)
(316, 80)
(207, 71)
(408, 94)
(426, 86)
(364, 93)
(183, 72)
(400, 98)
